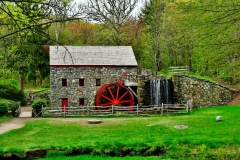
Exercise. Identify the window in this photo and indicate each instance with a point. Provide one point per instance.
(81, 101)
(98, 82)
(81, 82)
(64, 82)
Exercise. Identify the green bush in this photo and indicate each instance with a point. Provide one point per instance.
(13, 106)
(3, 108)
(39, 103)
(10, 82)
(45, 86)
(9, 91)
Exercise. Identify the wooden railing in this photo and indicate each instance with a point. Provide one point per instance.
(18, 111)
(179, 70)
(115, 110)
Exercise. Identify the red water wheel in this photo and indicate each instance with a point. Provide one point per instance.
(114, 94)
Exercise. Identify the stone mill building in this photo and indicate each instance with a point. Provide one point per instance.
(77, 73)
(107, 75)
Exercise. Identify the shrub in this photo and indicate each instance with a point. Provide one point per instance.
(13, 106)
(45, 86)
(9, 82)
(3, 108)
(9, 91)
(39, 103)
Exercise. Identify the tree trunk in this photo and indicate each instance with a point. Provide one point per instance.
(22, 83)
(40, 81)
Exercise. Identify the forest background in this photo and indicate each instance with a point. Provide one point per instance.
(203, 35)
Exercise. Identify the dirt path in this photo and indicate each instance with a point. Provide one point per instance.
(236, 100)
(13, 124)
(16, 123)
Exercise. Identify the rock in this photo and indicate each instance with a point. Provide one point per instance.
(219, 118)
(180, 126)
(94, 121)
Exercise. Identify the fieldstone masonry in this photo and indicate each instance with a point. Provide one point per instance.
(73, 91)
(202, 93)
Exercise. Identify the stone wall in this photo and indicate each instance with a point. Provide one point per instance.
(73, 91)
(42, 95)
(142, 91)
(202, 93)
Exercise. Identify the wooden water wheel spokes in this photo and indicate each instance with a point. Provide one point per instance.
(114, 94)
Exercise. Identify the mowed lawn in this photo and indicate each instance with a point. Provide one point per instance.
(203, 133)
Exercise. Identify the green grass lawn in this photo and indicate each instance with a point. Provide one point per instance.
(141, 136)
(5, 119)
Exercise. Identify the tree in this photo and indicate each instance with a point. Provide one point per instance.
(216, 24)
(178, 37)
(22, 47)
(25, 31)
(82, 33)
(153, 14)
(49, 12)
(113, 16)
(29, 60)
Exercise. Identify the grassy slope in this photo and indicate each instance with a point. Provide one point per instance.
(204, 133)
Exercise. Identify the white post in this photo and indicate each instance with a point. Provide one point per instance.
(137, 109)
(19, 108)
(191, 105)
(187, 106)
(42, 110)
(162, 109)
(64, 110)
(112, 109)
(88, 110)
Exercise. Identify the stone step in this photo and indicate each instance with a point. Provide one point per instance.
(25, 114)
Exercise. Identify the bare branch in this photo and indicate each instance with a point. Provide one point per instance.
(114, 16)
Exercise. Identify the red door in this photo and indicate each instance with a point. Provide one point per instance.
(64, 104)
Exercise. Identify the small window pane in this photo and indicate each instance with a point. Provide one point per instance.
(64, 82)
(81, 82)
(81, 101)
(98, 82)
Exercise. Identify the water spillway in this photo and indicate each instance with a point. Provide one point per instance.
(161, 91)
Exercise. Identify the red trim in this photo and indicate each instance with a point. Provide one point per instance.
(47, 48)
(87, 66)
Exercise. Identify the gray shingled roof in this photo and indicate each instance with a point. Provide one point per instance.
(92, 55)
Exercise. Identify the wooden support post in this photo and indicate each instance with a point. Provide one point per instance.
(19, 108)
(137, 109)
(64, 110)
(112, 109)
(191, 104)
(42, 110)
(133, 92)
(87, 110)
(187, 107)
(162, 109)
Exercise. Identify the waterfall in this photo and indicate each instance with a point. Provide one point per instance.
(161, 91)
